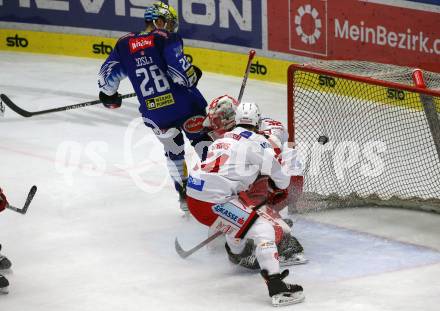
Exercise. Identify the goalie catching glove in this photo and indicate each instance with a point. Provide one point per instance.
(112, 102)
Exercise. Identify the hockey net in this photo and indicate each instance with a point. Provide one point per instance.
(367, 136)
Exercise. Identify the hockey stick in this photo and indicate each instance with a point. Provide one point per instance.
(26, 204)
(184, 254)
(28, 114)
(246, 74)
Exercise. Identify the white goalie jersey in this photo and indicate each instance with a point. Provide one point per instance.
(234, 162)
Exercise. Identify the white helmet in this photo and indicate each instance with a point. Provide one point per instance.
(248, 114)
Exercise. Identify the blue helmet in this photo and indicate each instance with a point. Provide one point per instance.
(151, 14)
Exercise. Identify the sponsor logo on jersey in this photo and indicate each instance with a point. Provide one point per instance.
(101, 48)
(233, 136)
(16, 41)
(223, 146)
(266, 145)
(246, 134)
(137, 44)
(224, 210)
(194, 124)
(195, 183)
(160, 101)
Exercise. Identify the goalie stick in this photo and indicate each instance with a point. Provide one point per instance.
(246, 74)
(26, 204)
(28, 114)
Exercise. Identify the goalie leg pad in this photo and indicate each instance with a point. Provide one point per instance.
(238, 215)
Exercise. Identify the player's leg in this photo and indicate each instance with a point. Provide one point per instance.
(289, 248)
(5, 263)
(262, 234)
(173, 143)
(241, 225)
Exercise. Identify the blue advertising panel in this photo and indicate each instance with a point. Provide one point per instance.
(436, 2)
(236, 22)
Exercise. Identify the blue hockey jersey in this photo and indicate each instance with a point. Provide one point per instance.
(162, 77)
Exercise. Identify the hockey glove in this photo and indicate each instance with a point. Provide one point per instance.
(112, 102)
(198, 72)
(276, 195)
(3, 201)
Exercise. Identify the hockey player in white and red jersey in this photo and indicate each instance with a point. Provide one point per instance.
(220, 118)
(216, 197)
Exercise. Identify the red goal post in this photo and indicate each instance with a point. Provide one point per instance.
(338, 110)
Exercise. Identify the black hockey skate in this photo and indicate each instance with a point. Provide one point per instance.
(5, 263)
(4, 284)
(182, 198)
(246, 258)
(290, 251)
(282, 293)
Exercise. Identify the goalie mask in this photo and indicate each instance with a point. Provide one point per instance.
(221, 115)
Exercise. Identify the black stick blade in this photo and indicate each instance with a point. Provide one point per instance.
(14, 107)
(29, 199)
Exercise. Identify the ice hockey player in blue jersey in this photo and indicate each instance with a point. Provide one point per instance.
(165, 83)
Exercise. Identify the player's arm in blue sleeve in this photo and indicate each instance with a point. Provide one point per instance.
(180, 68)
(109, 77)
(111, 73)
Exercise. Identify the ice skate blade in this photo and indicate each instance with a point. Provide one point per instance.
(4, 290)
(297, 259)
(286, 299)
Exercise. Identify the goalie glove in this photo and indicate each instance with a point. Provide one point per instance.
(3, 201)
(290, 162)
(112, 102)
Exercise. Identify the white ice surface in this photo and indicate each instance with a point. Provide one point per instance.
(95, 238)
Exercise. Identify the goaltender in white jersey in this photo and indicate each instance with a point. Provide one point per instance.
(214, 196)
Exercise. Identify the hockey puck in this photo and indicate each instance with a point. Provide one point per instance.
(322, 139)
